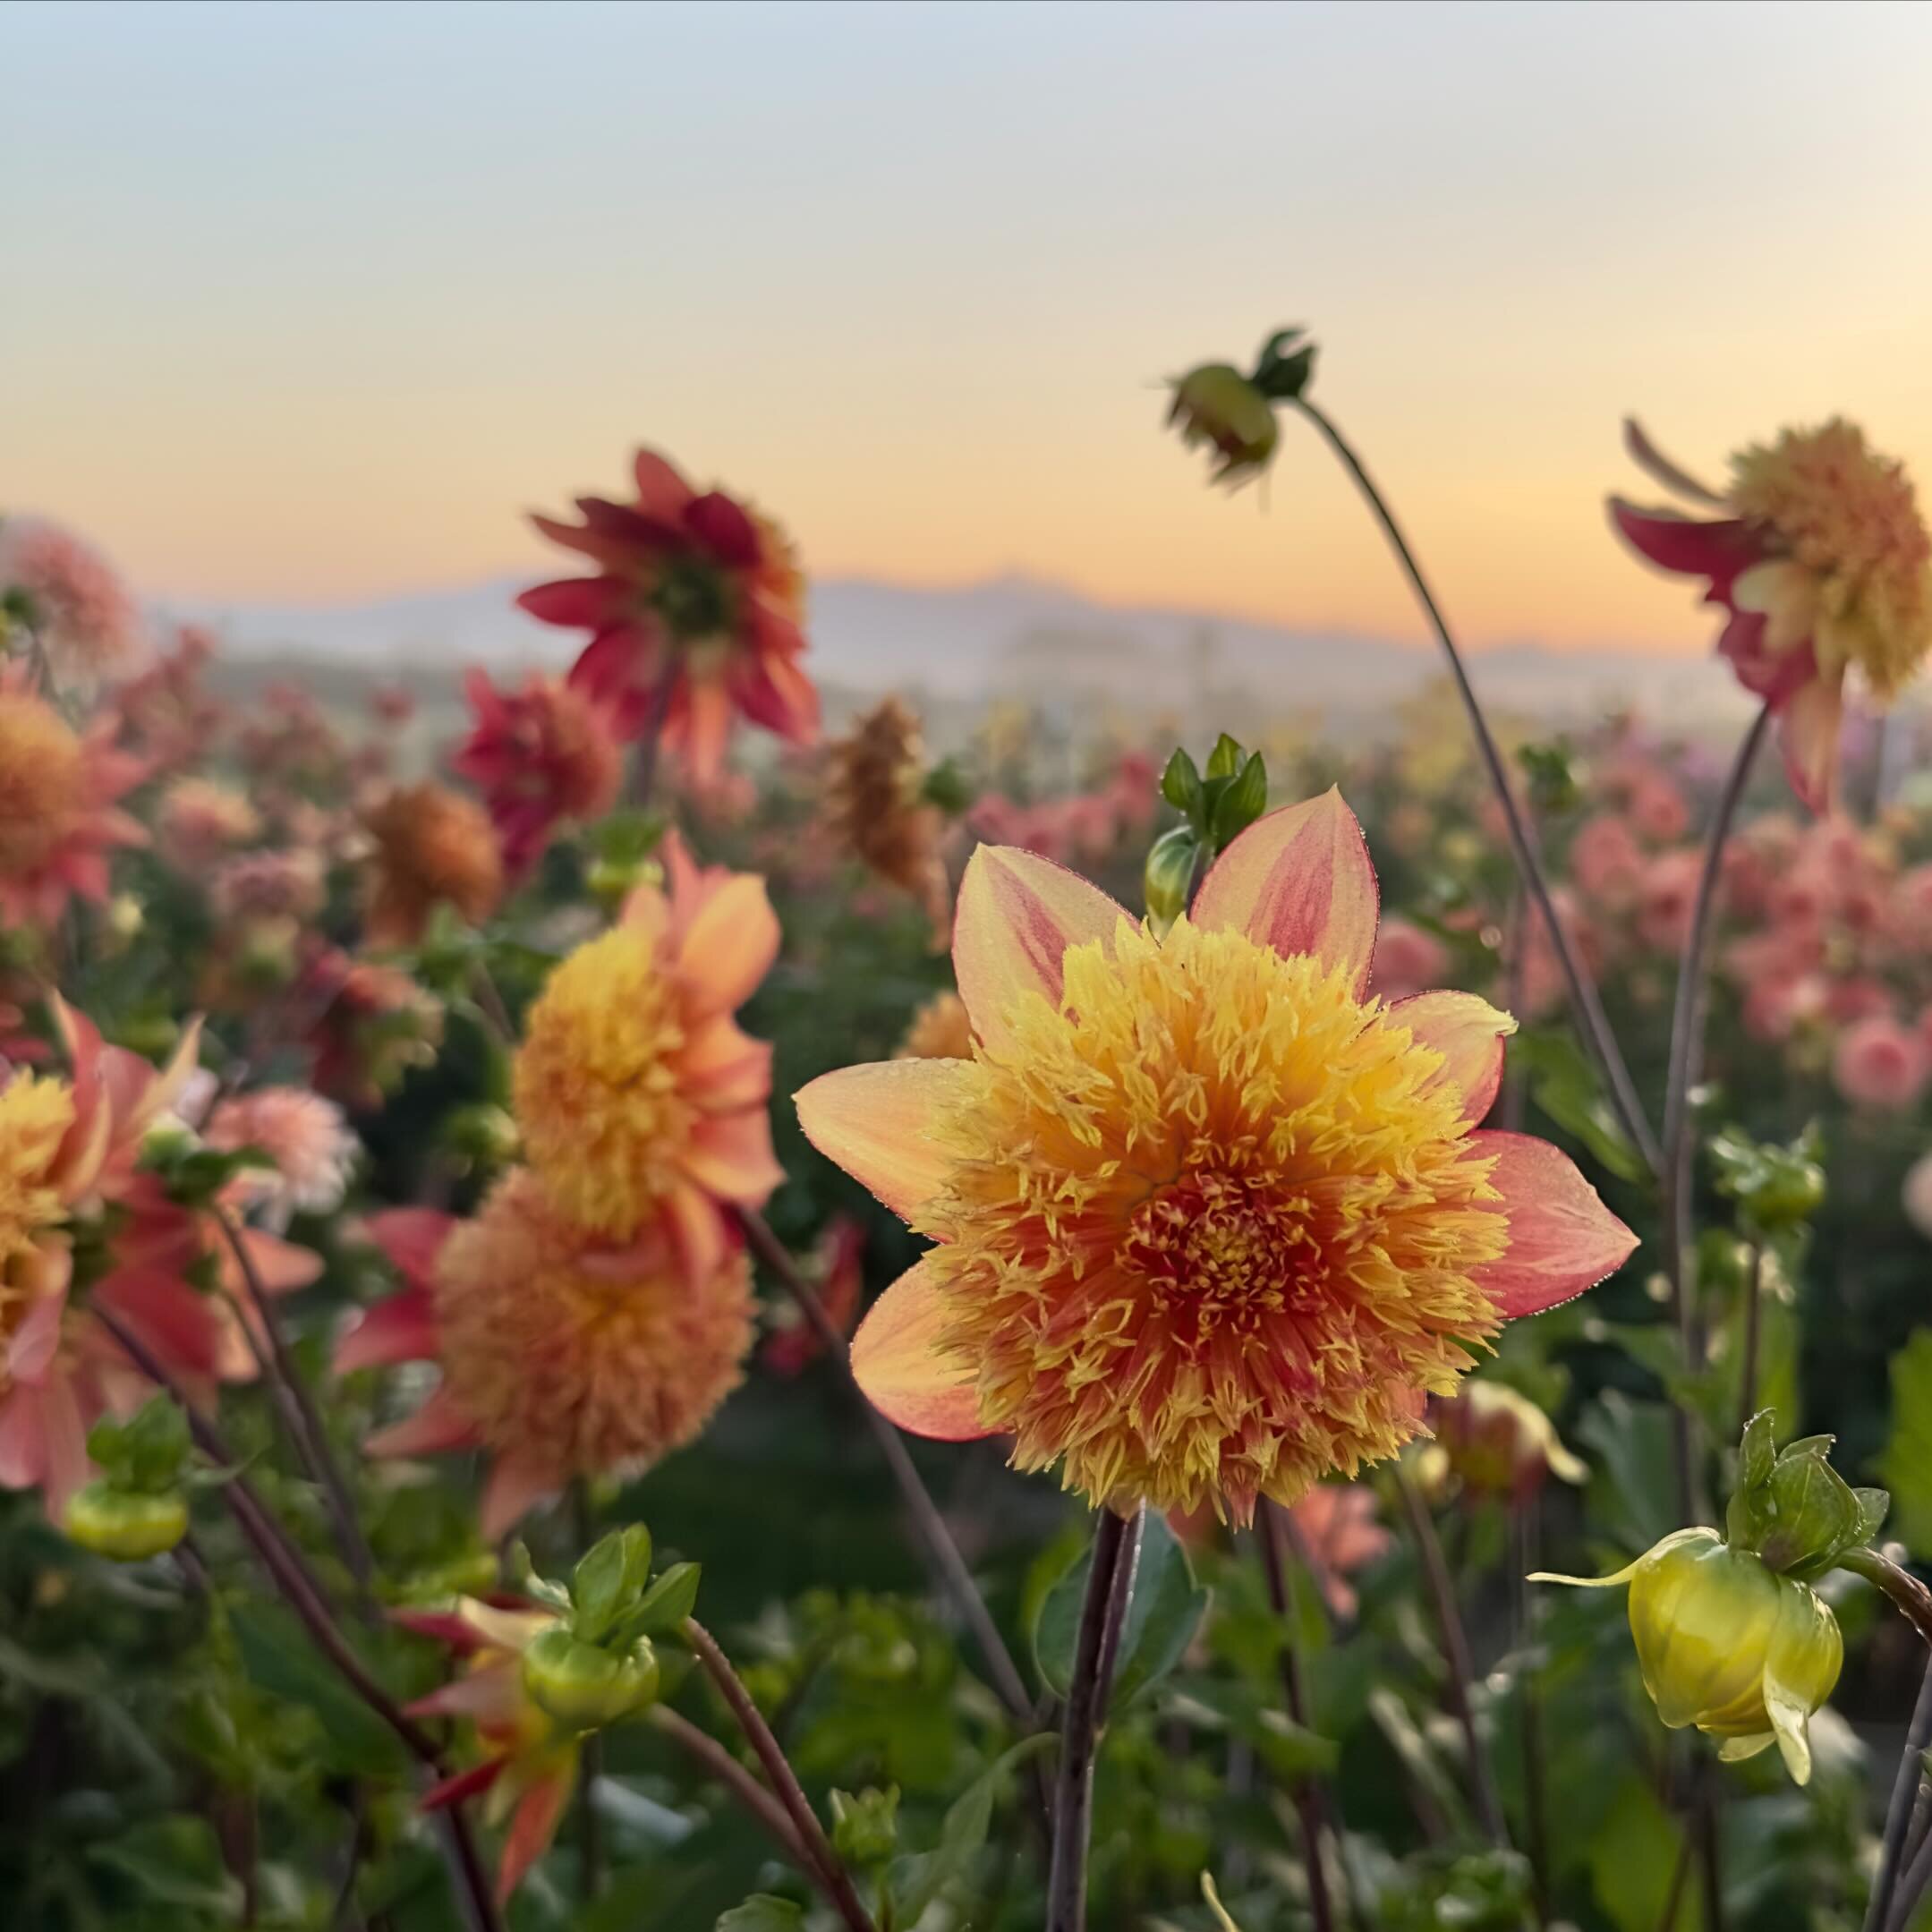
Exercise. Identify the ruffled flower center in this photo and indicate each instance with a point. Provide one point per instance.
(42, 781)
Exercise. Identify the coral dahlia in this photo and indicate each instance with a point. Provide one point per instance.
(433, 847)
(1213, 1221)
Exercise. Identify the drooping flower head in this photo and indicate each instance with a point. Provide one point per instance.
(559, 1357)
(876, 806)
(58, 816)
(1213, 1221)
(639, 1097)
(1492, 1440)
(695, 612)
(542, 755)
(433, 847)
(1821, 557)
(85, 616)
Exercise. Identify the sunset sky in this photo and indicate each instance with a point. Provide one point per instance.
(309, 302)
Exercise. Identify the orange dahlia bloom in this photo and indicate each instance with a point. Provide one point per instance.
(696, 615)
(1213, 1221)
(639, 1098)
(940, 1030)
(433, 847)
(541, 755)
(58, 816)
(558, 1357)
(877, 811)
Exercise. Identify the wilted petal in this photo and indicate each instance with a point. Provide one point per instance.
(1468, 1033)
(1017, 915)
(1298, 881)
(1688, 545)
(1563, 1239)
(897, 1362)
(876, 1122)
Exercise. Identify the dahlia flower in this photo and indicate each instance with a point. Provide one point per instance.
(58, 814)
(1341, 1534)
(558, 1358)
(1213, 1221)
(1881, 1064)
(940, 1030)
(199, 821)
(433, 847)
(639, 1098)
(84, 616)
(1820, 555)
(541, 756)
(694, 615)
(370, 1024)
(876, 806)
(303, 1134)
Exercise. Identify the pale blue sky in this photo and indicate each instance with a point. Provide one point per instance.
(311, 300)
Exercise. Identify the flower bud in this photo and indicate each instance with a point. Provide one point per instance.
(1726, 1644)
(125, 1525)
(584, 1686)
(1169, 879)
(1497, 1442)
(1216, 403)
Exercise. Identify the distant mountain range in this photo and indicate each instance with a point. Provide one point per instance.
(1011, 636)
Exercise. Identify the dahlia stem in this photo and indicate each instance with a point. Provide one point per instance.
(1680, 1142)
(1523, 1529)
(944, 1553)
(1583, 994)
(715, 1761)
(1754, 1295)
(292, 1577)
(1909, 1597)
(304, 1422)
(644, 775)
(833, 1878)
(1905, 1789)
(1311, 1808)
(1109, 1589)
(1456, 1653)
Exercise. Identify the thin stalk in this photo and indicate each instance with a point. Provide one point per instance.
(942, 1551)
(1456, 1652)
(644, 774)
(590, 1837)
(1905, 1788)
(1311, 1805)
(1109, 1589)
(1583, 994)
(1909, 1597)
(833, 1878)
(1912, 1887)
(1536, 1815)
(1674, 1898)
(1754, 1291)
(715, 1761)
(292, 1577)
(305, 1421)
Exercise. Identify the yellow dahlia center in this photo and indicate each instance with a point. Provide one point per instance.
(1211, 1225)
(1850, 518)
(41, 781)
(35, 1115)
(596, 1084)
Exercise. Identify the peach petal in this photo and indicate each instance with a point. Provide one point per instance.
(31, 1352)
(874, 1121)
(532, 1826)
(697, 1232)
(438, 1425)
(730, 1154)
(410, 1238)
(280, 1266)
(896, 1361)
(730, 946)
(515, 1486)
(401, 1329)
(1300, 881)
(1468, 1033)
(1563, 1239)
(1017, 915)
(722, 1068)
(1810, 727)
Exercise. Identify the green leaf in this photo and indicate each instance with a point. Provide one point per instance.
(608, 1580)
(764, 1913)
(915, 1882)
(277, 1655)
(664, 1606)
(1242, 803)
(1874, 1506)
(175, 1861)
(1180, 783)
(146, 1452)
(1564, 1083)
(1906, 1464)
(1225, 760)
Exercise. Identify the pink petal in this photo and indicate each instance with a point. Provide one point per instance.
(730, 1155)
(661, 492)
(411, 1238)
(1810, 727)
(723, 529)
(23, 1453)
(730, 946)
(576, 603)
(280, 1266)
(1017, 915)
(1563, 1239)
(1468, 1033)
(1685, 545)
(516, 1484)
(1298, 881)
(400, 1329)
(697, 1231)
(532, 1826)
(436, 1426)
(876, 1120)
(31, 1350)
(462, 1785)
(896, 1361)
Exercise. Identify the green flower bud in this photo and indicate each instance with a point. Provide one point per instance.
(128, 1527)
(610, 881)
(1169, 875)
(1726, 1644)
(1216, 403)
(585, 1687)
(865, 1828)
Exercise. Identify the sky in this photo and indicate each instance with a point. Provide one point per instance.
(310, 303)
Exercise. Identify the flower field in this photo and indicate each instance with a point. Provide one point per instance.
(643, 1302)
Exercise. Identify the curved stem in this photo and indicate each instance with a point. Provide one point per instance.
(1905, 1789)
(944, 1553)
(1583, 994)
(1109, 1589)
(1909, 1597)
(1310, 1800)
(715, 1761)
(1461, 1665)
(1686, 1061)
(833, 1878)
